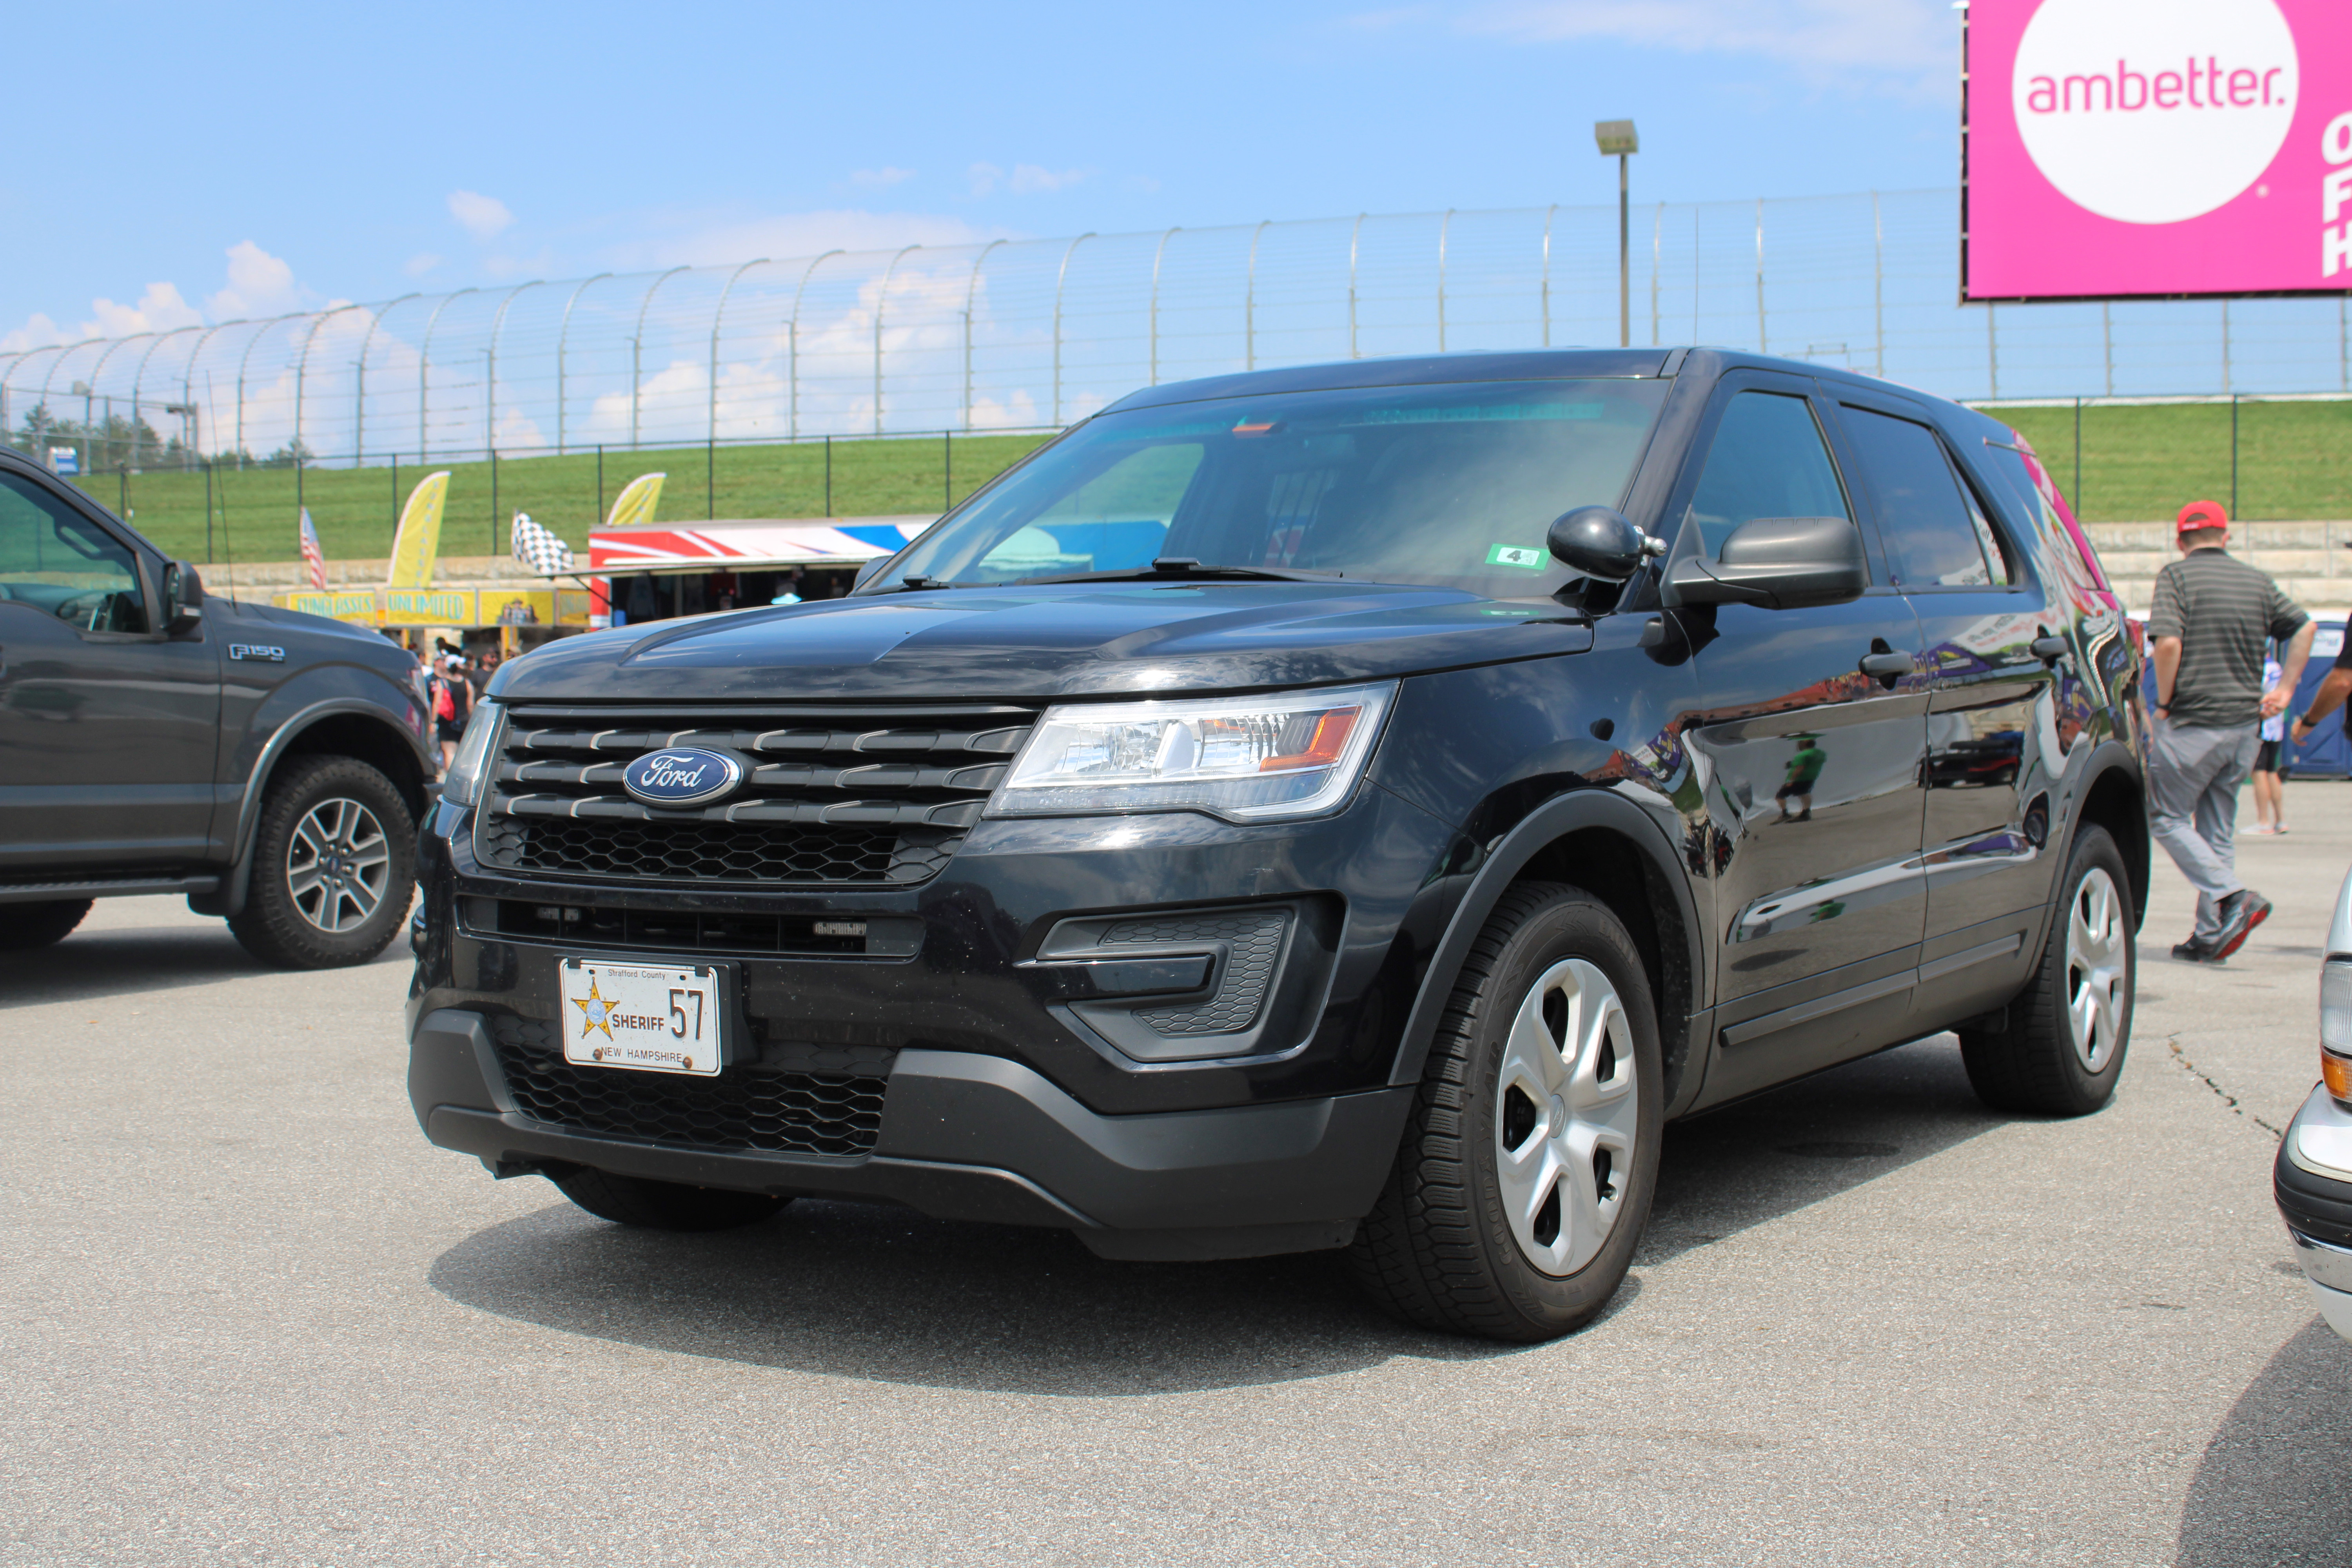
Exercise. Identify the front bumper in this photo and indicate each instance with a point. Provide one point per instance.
(2313, 1181)
(974, 1137)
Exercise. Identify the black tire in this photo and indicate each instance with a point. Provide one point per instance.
(281, 924)
(664, 1205)
(2031, 1061)
(23, 927)
(1440, 1249)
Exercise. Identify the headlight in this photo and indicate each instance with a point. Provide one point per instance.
(464, 779)
(2336, 1026)
(1247, 759)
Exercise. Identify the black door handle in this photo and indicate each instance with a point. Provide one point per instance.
(1887, 667)
(2050, 650)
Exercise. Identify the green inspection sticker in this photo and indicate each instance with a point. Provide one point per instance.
(1515, 555)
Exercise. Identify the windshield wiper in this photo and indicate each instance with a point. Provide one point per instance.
(1178, 568)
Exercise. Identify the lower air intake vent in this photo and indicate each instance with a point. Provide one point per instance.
(744, 1108)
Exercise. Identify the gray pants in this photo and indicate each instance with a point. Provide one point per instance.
(2193, 790)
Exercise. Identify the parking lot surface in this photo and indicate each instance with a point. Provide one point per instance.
(252, 1318)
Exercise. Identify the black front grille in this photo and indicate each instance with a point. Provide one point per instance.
(831, 796)
(746, 1107)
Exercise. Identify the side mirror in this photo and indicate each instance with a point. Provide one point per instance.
(866, 572)
(1778, 562)
(184, 599)
(1601, 543)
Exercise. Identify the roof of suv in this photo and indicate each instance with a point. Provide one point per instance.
(1474, 364)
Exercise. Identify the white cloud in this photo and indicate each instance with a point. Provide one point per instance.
(880, 179)
(1824, 39)
(1025, 180)
(37, 333)
(417, 266)
(259, 284)
(484, 217)
(713, 239)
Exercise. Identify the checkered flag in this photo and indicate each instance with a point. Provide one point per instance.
(539, 549)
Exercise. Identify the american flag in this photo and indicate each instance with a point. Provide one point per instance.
(312, 554)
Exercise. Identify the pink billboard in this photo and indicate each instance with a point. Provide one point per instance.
(2156, 147)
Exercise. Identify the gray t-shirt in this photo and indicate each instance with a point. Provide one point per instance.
(2223, 611)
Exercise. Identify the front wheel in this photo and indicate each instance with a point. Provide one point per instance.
(24, 927)
(663, 1205)
(2059, 1044)
(1526, 1174)
(334, 864)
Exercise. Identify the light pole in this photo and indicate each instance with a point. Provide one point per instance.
(1617, 138)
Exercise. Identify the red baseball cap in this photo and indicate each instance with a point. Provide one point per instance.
(2201, 514)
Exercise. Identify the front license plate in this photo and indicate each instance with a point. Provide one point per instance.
(642, 1017)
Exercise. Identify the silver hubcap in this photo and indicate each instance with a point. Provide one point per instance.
(1564, 1116)
(2094, 968)
(337, 864)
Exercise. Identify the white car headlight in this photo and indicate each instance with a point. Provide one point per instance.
(463, 782)
(1247, 759)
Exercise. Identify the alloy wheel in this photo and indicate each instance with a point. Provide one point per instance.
(1565, 1116)
(337, 863)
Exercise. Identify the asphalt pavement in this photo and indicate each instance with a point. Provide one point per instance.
(251, 1316)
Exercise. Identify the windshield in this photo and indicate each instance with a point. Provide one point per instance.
(1452, 486)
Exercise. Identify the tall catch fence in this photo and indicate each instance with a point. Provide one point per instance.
(1027, 334)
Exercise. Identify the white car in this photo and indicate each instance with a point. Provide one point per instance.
(2313, 1177)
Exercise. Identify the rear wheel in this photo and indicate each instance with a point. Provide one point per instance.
(334, 866)
(2061, 1043)
(1526, 1174)
(23, 927)
(664, 1205)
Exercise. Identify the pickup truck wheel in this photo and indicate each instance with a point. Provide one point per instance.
(1526, 1172)
(334, 867)
(664, 1205)
(2060, 1044)
(23, 927)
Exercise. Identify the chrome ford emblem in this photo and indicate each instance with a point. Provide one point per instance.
(682, 776)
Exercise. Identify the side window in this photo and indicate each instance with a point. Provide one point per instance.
(1767, 460)
(1934, 536)
(1996, 555)
(55, 561)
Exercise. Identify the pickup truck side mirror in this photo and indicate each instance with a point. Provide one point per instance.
(184, 599)
(1778, 562)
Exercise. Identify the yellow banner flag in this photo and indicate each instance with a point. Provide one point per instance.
(419, 543)
(636, 504)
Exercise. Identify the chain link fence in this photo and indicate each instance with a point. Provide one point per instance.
(1021, 335)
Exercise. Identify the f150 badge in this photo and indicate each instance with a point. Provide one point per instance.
(256, 651)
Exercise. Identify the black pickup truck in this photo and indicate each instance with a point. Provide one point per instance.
(268, 765)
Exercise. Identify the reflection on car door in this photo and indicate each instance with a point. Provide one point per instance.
(1992, 718)
(108, 732)
(1812, 768)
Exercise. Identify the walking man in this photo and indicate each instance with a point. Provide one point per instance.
(2211, 616)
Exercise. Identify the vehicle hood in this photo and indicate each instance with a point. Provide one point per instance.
(1047, 642)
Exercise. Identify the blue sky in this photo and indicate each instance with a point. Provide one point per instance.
(276, 157)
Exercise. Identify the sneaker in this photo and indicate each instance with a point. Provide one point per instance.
(2241, 912)
(2195, 952)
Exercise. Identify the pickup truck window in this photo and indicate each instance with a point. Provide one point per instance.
(1452, 486)
(59, 563)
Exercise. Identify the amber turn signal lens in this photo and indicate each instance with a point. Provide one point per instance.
(2335, 1072)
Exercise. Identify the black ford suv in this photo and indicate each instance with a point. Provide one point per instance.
(269, 765)
(1347, 807)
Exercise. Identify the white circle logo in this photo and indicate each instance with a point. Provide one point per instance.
(2154, 110)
